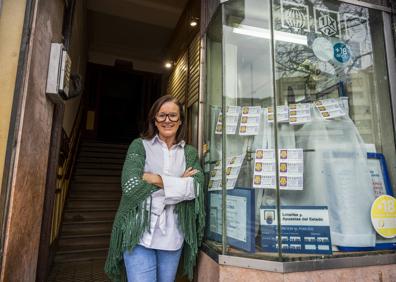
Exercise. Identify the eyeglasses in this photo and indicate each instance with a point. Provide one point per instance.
(161, 117)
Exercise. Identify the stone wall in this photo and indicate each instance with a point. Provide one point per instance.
(79, 57)
(209, 271)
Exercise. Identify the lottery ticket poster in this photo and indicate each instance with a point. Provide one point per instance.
(291, 169)
(329, 108)
(233, 167)
(290, 166)
(264, 175)
(282, 114)
(232, 117)
(299, 113)
(250, 120)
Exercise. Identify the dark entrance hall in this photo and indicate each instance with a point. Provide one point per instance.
(121, 99)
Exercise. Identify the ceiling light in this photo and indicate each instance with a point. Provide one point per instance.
(194, 22)
(168, 65)
(266, 33)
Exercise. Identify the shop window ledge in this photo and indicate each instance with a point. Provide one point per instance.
(301, 263)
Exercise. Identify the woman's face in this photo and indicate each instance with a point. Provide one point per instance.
(167, 120)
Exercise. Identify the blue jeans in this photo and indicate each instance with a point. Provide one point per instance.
(149, 265)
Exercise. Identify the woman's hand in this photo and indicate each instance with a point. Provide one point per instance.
(189, 172)
(154, 179)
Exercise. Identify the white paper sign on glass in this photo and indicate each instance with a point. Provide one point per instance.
(290, 168)
(232, 117)
(376, 177)
(282, 114)
(250, 120)
(236, 216)
(329, 108)
(299, 113)
(233, 167)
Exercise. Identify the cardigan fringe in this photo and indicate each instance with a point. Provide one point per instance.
(132, 218)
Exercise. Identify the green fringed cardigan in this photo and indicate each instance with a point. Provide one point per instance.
(132, 218)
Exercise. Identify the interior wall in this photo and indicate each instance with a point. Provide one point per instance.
(108, 59)
(183, 34)
(79, 56)
(31, 148)
(115, 33)
(11, 25)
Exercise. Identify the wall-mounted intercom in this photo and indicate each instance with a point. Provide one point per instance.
(58, 80)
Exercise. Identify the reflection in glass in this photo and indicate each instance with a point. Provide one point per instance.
(300, 127)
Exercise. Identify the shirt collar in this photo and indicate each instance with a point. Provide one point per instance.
(157, 139)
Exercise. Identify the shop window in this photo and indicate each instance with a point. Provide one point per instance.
(298, 117)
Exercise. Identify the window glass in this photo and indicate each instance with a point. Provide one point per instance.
(331, 77)
(213, 142)
(298, 128)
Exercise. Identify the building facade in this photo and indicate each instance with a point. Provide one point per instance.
(291, 105)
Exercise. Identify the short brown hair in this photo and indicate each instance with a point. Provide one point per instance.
(151, 130)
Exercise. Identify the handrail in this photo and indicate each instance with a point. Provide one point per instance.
(66, 163)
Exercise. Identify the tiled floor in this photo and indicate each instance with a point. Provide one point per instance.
(87, 271)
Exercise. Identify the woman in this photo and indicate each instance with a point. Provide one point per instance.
(161, 211)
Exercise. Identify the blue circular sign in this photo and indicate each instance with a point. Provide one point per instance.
(342, 52)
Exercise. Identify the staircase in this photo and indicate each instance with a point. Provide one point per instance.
(95, 192)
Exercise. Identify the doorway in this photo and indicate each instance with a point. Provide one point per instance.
(121, 99)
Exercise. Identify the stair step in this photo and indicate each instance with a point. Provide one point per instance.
(88, 215)
(86, 229)
(103, 155)
(81, 255)
(96, 241)
(81, 245)
(97, 172)
(106, 195)
(87, 236)
(95, 192)
(77, 223)
(99, 166)
(91, 203)
(96, 179)
(81, 186)
(84, 148)
(100, 160)
(107, 209)
(103, 145)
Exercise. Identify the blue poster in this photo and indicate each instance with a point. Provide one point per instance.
(304, 229)
(342, 52)
(240, 218)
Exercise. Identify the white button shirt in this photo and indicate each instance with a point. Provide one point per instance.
(170, 164)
